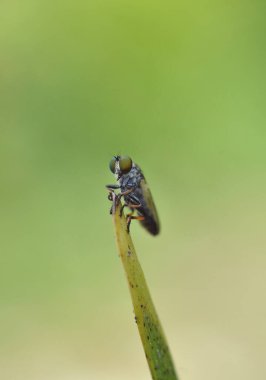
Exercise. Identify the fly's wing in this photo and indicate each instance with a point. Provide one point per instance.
(148, 209)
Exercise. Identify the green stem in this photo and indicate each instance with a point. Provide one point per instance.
(150, 329)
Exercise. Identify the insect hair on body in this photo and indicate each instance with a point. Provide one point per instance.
(135, 192)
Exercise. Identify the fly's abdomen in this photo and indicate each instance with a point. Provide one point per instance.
(150, 224)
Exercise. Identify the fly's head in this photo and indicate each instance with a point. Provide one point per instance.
(120, 165)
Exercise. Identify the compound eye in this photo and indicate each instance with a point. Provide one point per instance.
(112, 164)
(125, 164)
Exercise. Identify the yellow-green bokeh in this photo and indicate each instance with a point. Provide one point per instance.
(180, 87)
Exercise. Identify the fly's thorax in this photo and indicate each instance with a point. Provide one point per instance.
(131, 179)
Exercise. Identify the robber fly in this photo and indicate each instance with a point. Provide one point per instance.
(136, 193)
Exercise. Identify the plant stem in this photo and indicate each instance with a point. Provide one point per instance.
(150, 329)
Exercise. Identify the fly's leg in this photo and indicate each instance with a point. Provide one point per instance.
(130, 217)
(112, 198)
(111, 189)
(119, 196)
(116, 197)
(129, 205)
(111, 195)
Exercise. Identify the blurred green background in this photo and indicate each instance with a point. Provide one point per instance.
(179, 86)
